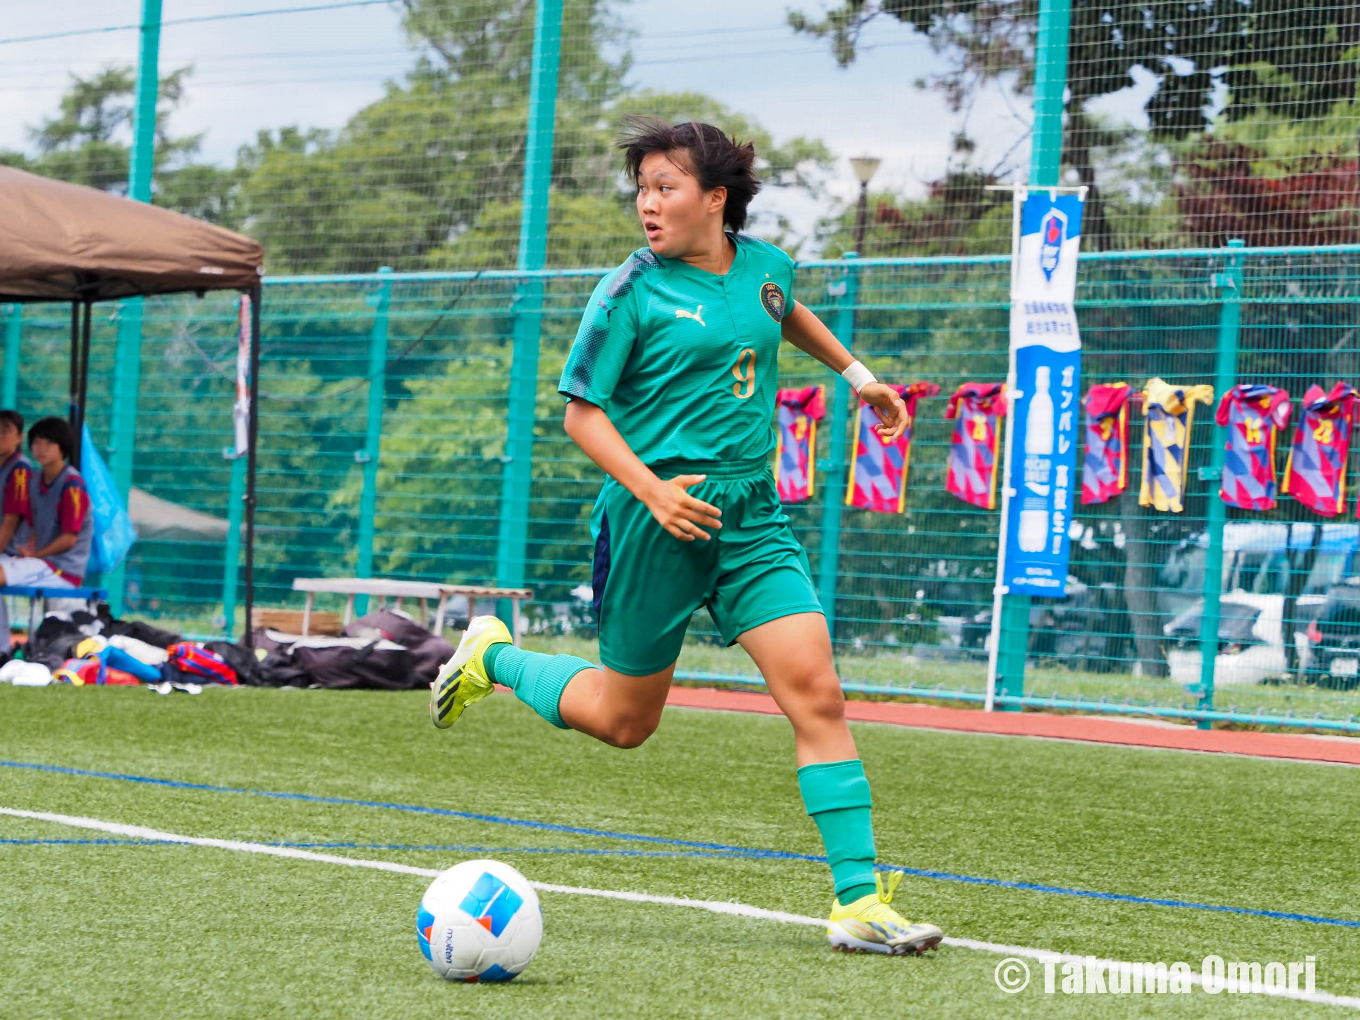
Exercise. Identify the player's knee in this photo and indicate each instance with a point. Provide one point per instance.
(628, 732)
(820, 698)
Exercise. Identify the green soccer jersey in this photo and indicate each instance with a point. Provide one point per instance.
(684, 361)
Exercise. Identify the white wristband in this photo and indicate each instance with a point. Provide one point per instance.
(858, 376)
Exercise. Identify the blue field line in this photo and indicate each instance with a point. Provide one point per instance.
(308, 798)
(723, 849)
(441, 847)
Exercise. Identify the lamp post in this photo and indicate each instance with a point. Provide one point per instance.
(864, 167)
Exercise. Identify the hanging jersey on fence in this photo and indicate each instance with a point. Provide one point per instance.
(1169, 413)
(1254, 414)
(798, 412)
(1315, 474)
(1105, 469)
(977, 409)
(878, 468)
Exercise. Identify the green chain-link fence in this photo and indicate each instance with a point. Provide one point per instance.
(392, 392)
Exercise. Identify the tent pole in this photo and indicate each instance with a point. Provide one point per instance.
(251, 459)
(84, 384)
(72, 405)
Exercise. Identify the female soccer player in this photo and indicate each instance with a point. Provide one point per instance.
(671, 391)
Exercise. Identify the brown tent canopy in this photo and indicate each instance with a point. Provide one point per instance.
(65, 242)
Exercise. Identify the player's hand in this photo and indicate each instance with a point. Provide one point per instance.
(890, 408)
(679, 512)
(29, 548)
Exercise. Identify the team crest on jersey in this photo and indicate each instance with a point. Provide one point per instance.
(772, 298)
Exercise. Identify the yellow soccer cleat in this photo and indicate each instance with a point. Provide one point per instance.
(463, 680)
(869, 925)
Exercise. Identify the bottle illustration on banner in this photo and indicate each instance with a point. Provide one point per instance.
(1038, 464)
(1039, 421)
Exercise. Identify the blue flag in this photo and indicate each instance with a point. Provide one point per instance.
(113, 531)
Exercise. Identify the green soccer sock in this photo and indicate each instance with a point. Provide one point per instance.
(837, 797)
(538, 680)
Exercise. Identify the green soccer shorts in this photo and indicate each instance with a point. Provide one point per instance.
(647, 583)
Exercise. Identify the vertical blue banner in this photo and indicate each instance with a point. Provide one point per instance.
(1046, 354)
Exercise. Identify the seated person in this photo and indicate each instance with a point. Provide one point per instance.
(16, 479)
(56, 553)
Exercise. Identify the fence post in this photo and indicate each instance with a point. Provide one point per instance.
(231, 556)
(1050, 82)
(1229, 282)
(9, 376)
(517, 473)
(369, 456)
(127, 368)
(847, 291)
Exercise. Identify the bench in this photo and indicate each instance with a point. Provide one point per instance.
(37, 599)
(424, 591)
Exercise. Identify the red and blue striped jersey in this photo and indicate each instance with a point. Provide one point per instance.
(1315, 473)
(977, 409)
(1254, 414)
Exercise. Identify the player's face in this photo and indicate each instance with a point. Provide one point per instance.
(45, 452)
(10, 438)
(677, 215)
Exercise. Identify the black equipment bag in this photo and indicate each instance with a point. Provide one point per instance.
(379, 665)
(428, 651)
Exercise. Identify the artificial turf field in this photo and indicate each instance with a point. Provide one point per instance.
(95, 925)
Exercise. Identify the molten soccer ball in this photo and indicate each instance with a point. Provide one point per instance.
(479, 921)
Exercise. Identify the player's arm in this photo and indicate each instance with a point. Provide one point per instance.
(674, 508)
(7, 528)
(55, 547)
(15, 504)
(810, 335)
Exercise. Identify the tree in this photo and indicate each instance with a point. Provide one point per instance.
(415, 171)
(430, 174)
(89, 142)
(1269, 57)
(957, 217)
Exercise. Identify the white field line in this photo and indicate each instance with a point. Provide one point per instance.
(712, 906)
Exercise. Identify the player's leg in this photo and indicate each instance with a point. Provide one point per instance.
(22, 571)
(793, 654)
(642, 627)
(765, 600)
(566, 690)
(619, 709)
(4, 611)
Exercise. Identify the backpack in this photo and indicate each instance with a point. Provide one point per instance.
(191, 658)
(240, 659)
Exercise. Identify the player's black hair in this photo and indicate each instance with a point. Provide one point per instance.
(14, 418)
(715, 159)
(54, 430)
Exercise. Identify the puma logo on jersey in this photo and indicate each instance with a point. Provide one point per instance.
(696, 315)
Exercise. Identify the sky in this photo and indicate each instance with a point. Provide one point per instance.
(316, 68)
